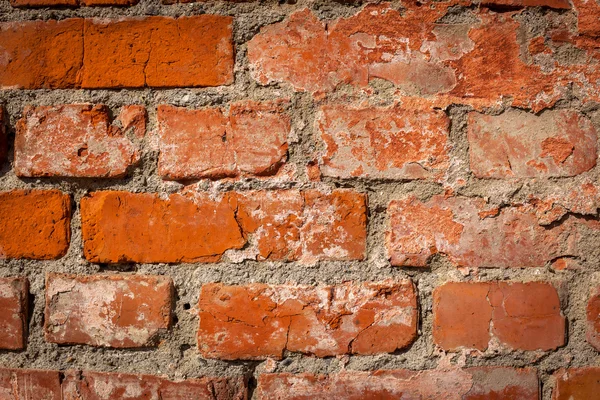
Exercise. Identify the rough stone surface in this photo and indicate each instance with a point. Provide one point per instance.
(251, 139)
(14, 299)
(467, 384)
(384, 143)
(34, 224)
(77, 141)
(18, 384)
(70, 3)
(107, 310)
(523, 316)
(259, 321)
(577, 383)
(517, 144)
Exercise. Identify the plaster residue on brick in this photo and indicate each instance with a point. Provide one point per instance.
(258, 321)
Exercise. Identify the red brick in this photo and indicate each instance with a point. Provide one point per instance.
(559, 4)
(14, 294)
(471, 233)
(518, 144)
(588, 17)
(19, 384)
(383, 143)
(593, 319)
(523, 316)
(89, 385)
(257, 321)
(158, 52)
(3, 138)
(250, 139)
(77, 141)
(119, 311)
(41, 54)
(577, 384)
(34, 224)
(282, 225)
(482, 383)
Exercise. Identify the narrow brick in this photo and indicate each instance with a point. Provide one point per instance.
(158, 52)
(3, 138)
(257, 321)
(248, 139)
(25, 44)
(576, 383)
(19, 384)
(383, 143)
(14, 301)
(77, 141)
(557, 4)
(454, 384)
(518, 144)
(192, 227)
(523, 316)
(121, 311)
(34, 224)
(88, 385)
(471, 233)
(593, 318)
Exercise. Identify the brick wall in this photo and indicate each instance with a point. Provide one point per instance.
(299, 199)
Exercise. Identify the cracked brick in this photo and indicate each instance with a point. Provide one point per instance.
(14, 299)
(19, 384)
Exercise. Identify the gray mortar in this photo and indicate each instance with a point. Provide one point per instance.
(177, 357)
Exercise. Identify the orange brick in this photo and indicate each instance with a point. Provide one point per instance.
(119, 311)
(14, 298)
(34, 224)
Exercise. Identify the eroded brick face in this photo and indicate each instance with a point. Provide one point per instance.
(248, 139)
(593, 318)
(512, 315)
(78, 141)
(89, 385)
(3, 138)
(191, 227)
(14, 297)
(107, 310)
(384, 143)
(455, 384)
(471, 233)
(577, 383)
(18, 384)
(259, 321)
(517, 144)
(34, 224)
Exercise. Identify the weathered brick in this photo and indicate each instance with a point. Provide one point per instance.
(388, 143)
(257, 321)
(455, 384)
(107, 310)
(41, 54)
(524, 316)
(34, 224)
(89, 385)
(593, 318)
(518, 144)
(158, 52)
(471, 233)
(77, 141)
(18, 384)
(577, 384)
(14, 294)
(588, 17)
(3, 138)
(192, 227)
(250, 139)
(558, 4)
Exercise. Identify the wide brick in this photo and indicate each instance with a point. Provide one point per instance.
(455, 384)
(517, 144)
(471, 233)
(34, 224)
(577, 384)
(3, 138)
(14, 301)
(257, 321)
(89, 385)
(249, 139)
(41, 54)
(193, 227)
(77, 141)
(593, 318)
(523, 316)
(19, 384)
(387, 143)
(119, 311)
(158, 52)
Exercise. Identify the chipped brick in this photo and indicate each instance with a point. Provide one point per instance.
(14, 300)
